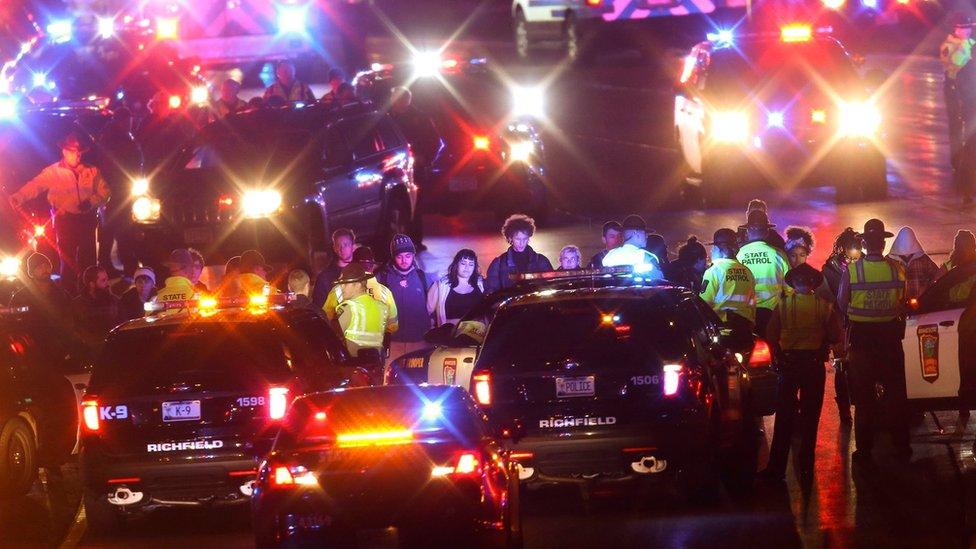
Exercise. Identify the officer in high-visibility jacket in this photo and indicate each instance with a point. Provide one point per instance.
(728, 286)
(872, 296)
(362, 319)
(768, 266)
(802, 328)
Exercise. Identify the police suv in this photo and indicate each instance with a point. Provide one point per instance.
(786, 107)
(184, 403)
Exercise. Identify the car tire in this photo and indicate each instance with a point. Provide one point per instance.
(575, 40)
(522, 37)
(395, 220)
(18, 458)
(100, 517)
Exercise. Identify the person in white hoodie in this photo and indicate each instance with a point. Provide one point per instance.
(458, 291)
(920, 270)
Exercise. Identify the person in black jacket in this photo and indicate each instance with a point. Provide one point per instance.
(519, 258)
(132, 304)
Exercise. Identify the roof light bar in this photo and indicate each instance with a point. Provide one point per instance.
(208, 303)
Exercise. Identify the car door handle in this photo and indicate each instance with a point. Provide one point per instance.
(947, 323)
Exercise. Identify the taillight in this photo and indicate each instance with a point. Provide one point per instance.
(465, 464)
(594, 3)
(481, 387)
(672, 375)
(481, 142)
(761, 355)
(296, 475)
(277, 402)
(89, 412)
(175, 101)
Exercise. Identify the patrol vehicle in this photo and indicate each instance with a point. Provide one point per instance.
(38, 404)
(184, 403)
(279, 180)
(621, 381)
(786, 107)
(420, 459)
(492, 153)
(940, 373)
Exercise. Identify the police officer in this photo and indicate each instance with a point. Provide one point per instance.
(364, 257)
(800, 330)
(361, 318)
(74, 190)
(287, 87)
(634, 249)
(253, 279)
(177, 287)
(228, 103)
(956, 55)
(728, 286)
(872, 295)
(768, 266)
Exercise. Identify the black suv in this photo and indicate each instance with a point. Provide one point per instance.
(38, 406)
(621, 383)
(182, 406)
(279, 179)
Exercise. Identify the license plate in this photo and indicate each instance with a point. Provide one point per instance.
(463, 183)
(181, 410)
(575, 386)
(198, 235)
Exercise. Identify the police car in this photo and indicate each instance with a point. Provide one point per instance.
(940, 373)
(184, 403)
(422, 460)
(492, 154)
(787, 108)
(38, 404)
(278, 180)
(590, 377)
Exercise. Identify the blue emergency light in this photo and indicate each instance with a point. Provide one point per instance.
(60, 31)
(8, 107)
(292, 19)
(723, 36)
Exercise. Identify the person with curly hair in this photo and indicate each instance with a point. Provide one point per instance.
(519, 258)
(798, 246)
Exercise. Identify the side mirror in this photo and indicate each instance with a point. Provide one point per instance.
(441, 336)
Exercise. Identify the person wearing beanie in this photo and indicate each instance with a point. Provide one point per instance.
(801, 331)
(767, 263)
(728, 286)
(42, 295)
(920, 270)
(519, 258)
(409, 286)
(963, 251)
(133, 301)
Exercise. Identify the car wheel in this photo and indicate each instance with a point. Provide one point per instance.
(18, 459)
(396, 220)
(100, 517)
(577, 51)
(523, 40)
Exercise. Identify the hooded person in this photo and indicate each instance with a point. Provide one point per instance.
(920, 270)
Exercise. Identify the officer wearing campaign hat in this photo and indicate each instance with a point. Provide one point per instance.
(634, 250)
(872, 296)
(767, 264)
(362, 319)
(728, 286)
(959, 86)
(75, 191)
(801, 329)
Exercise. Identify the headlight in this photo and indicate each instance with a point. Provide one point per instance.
(730, 127)
(199, 95)
(859, 119)
(146, 209)
(521, 151)
(8, 108)
(256, 204)
(426, 64)
(528, 101)
(140, 186)
(9, 267)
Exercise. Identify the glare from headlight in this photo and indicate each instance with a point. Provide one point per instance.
(859, 119)
(426, 64)
(262, 203)
(9, 267)
(730, 127)
(521, 151)
(199, 95)
(146, 209)
(140, 186)
(528, 101)
(8, 108)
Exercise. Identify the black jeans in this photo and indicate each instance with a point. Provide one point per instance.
(877, 376)
(76, 245)
(800, 400)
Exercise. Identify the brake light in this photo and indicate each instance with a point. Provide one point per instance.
(818, 116)
(761, 355)
(481, 142)
(292, 476)
(672, 374)
(796, 33)
(89, 412)
(374, 438)
(594, 3)
(467, 463)
(481, 388)
(277, 402)
(833, 4)
(167, 28)
(175, 101)
(225, 201)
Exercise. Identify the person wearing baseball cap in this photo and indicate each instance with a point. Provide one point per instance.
(177, 287)
(253, 279)
(728, 286)
(74, 191)
(409, 285)
(133, 301)
(959, 86)
(767, 264)
(801, 331)
(872, 295)
(362, 319)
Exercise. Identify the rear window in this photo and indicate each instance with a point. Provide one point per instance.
(611, 333)
(143, 359)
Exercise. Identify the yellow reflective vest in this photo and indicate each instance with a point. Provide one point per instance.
(804, 321)
(768, 266)
(363, 320)
(379, 292)
(877, 290)
(176, 288)
(730, 286)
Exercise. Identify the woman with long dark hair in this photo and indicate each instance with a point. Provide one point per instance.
(457, 291)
